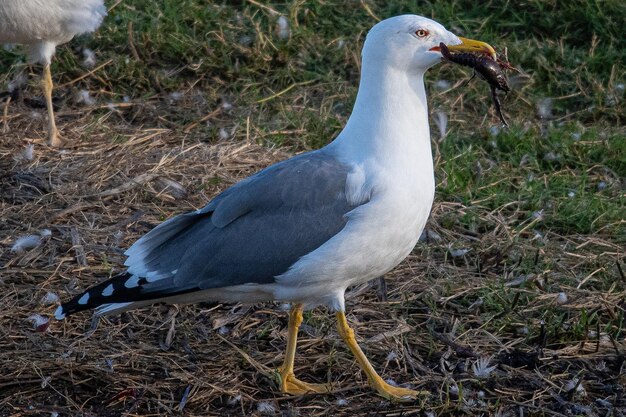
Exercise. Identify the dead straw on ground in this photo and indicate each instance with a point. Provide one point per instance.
(496, 321)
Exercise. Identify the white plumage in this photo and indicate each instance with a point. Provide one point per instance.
(41, 25)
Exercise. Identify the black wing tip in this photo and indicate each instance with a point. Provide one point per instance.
(94, 296)
(72, 306)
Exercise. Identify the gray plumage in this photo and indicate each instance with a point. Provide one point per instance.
(250, 233)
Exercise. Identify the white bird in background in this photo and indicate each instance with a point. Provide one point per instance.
(41, 25)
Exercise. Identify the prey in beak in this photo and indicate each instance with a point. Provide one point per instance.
(472, 46)
(482, 58)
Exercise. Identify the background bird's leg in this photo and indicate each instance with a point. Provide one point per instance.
(288, 382)
(384, 389)
(46, 84)
(5, 118)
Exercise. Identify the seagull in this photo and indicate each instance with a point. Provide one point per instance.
(305, 229)
(41, 25)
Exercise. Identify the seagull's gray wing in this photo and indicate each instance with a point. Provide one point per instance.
(250, 233)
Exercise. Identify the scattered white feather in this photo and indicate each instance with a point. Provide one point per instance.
(429, 234)
(35, 115)
(118, 237)
(89, 58)
(571, 194)
(18, 82)
(520, 280)
(391, 356)
(50, 298)
(171, 187)
(561, 298)
(538, 214)
(24, 243)
(457, 253)
(45, 233)
(45, 381)
(479, 302)
(224, 135)
(40, 323)
(470, 402)
(601, 185)
(26, 154)
(575, 383)
(441, 120)
(442, 84)
(84, 97)
(482, 368)
(246, 40)
(610, 100)
(265, 407)
(226, 106)
(223, 330)
(551, 156)
(576, 136)
(391, 382)
(494, 130)
(601, 366)
(174, 96)
(282, 27)
(525, 159)
(544, 108)
(234, 400)
(342, 402)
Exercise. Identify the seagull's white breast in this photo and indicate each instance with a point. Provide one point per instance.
(378, 236)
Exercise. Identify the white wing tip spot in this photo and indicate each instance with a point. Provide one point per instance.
(107, 291)
(59, 314)
(132, 282)
(83, 300)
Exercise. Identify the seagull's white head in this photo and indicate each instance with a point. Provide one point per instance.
(411, 43)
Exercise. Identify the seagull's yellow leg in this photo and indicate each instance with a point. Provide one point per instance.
(376, 382)
(288, 382)
(46, 84)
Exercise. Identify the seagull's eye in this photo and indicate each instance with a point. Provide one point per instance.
(421, 33)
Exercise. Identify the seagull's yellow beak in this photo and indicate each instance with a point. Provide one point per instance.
(470, 45)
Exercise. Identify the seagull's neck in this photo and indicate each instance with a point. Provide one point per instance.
(389, 122)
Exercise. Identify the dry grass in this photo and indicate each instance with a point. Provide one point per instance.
(514, 305)
(441, 314)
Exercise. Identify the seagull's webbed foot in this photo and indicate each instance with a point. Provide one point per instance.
(392, 392)
(289, 384)
(383, 389)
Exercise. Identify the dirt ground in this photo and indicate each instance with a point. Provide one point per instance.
(468, 328)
